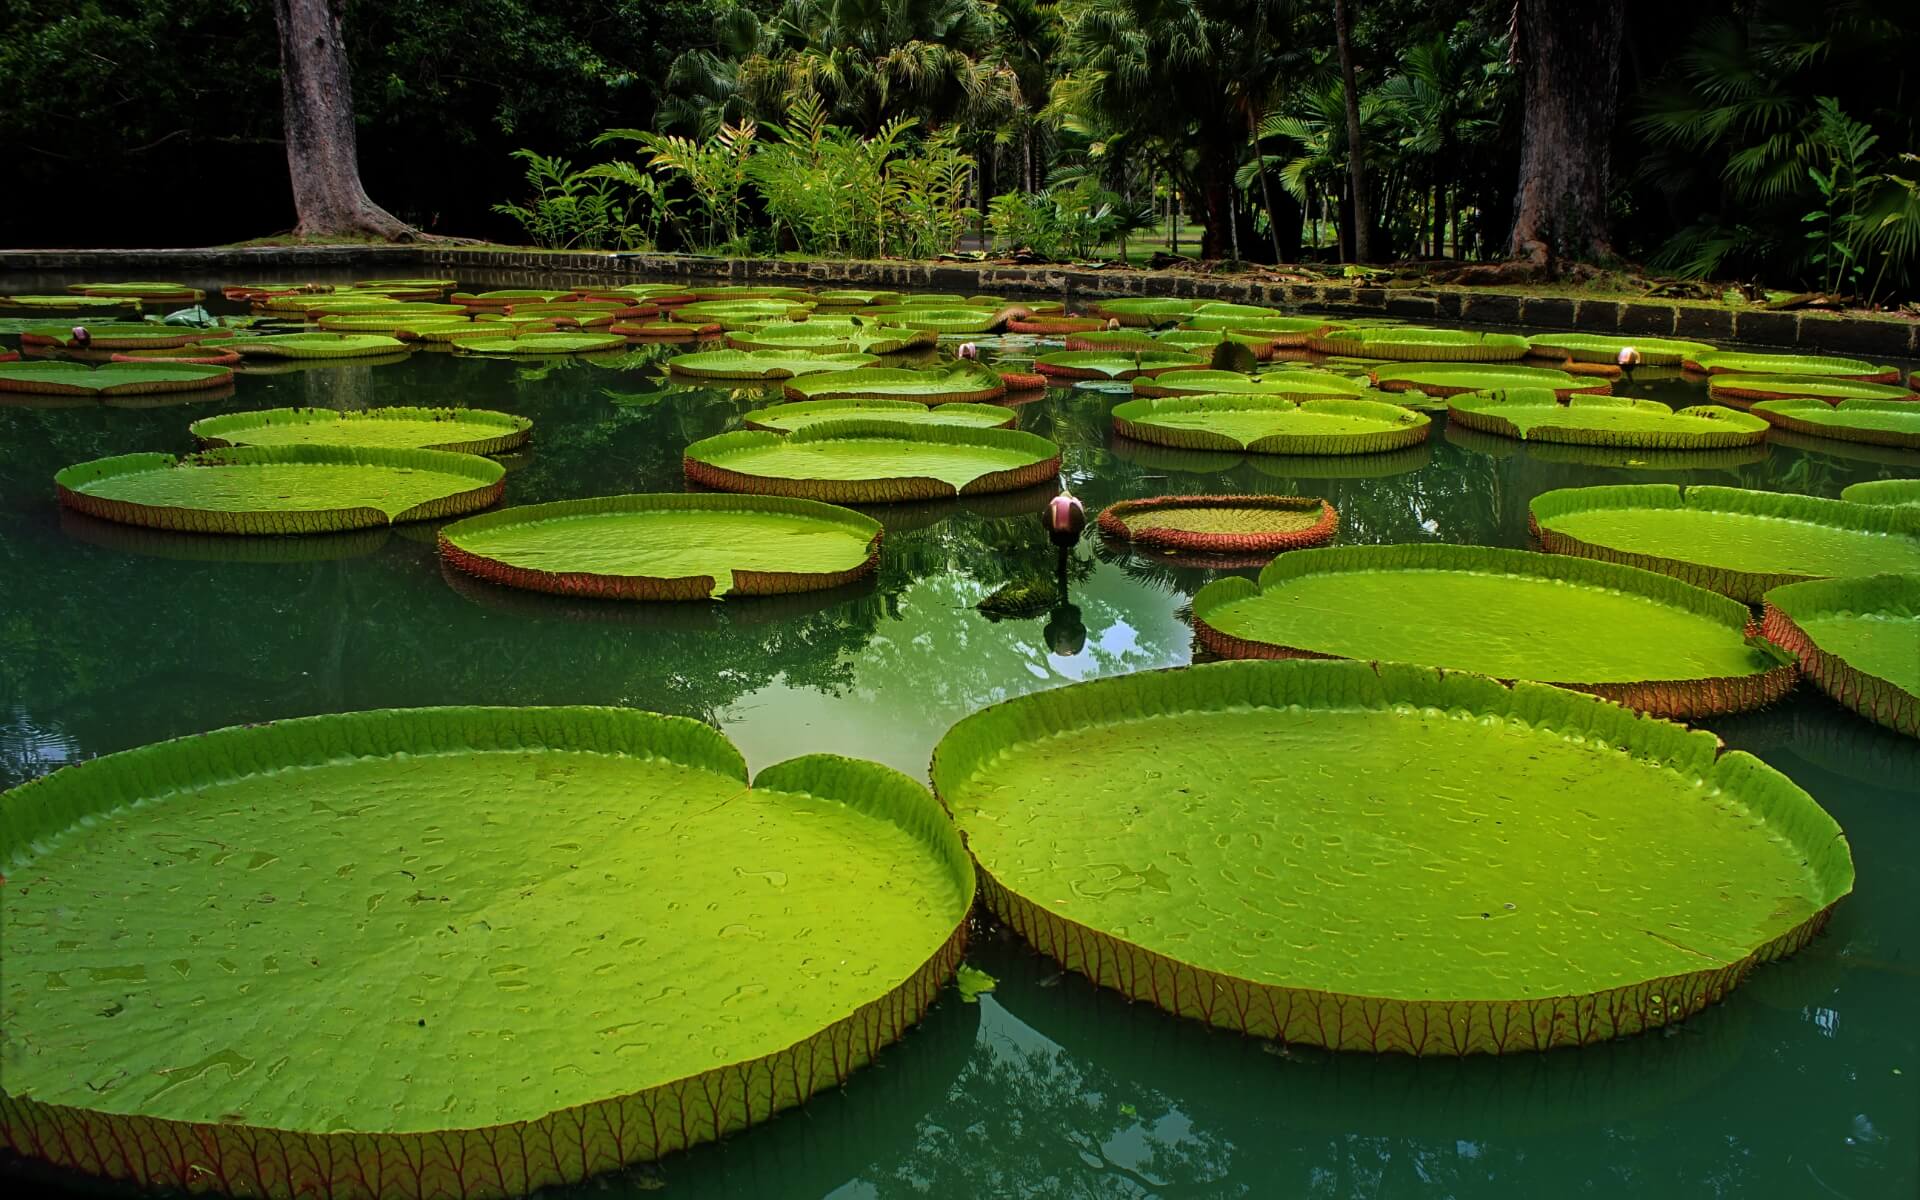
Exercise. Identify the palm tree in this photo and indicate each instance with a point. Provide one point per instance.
(1445, 101)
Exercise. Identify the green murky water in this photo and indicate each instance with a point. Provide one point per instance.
(1806, 1084)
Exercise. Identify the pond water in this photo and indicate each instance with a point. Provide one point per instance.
(1807, 1083)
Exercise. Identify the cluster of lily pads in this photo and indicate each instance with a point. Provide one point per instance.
(1352, 905)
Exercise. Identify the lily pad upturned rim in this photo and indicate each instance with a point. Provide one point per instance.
(1817, 418)
(1459, 379)
(1145, 311)
(487, 476)
(471, 430)
(1676, 699)
(137, 378)
(1291, 384)
(543, 344)
(1411, 344)
(1742, 390)
(1398, 427)
(764, 364)
(1749, 586)
(123, 335)
(1423, 1025)
(1491, 412)
(581, 1136)
(319, 345)
(704, 462)
(857, 409)
(963, 384)
(1750, 362)
(1883, 492)
(603, 585)
(140, 291)
(1113, 364)
(1113, 523)
(1878, 699)
(1605, 349)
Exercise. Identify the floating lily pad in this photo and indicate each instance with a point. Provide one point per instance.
(939, 320)
(281, 489)
(1877, 422)
(131, 335)
(1883, 491)
(1627, 458)
(1121, 339)
(1733, 541)
(1271, 424)
(666, 547)
(502, 297)
(1598, 348)
(854, 297)
(1730, 363)
(1383, 857)
(1053, 326)
(665, 331)
(1237, 525)
(737, 314)
(435, 284)
(1641, 639)
(832, 338)
(407, 327)
(1538, 416)
(965, 384)
(87, 304)
(319, 345)
(112, 379)
(540, 344)
(1288, 468)
(785, 418)
(1294, 384)
(1409, 344)
(615, 856)
(725, 292)
(1109, 364)
(464, 430)
(1858, 639)
(140, 291)
(764, 364)
(1143, 311)
(1205, 341)
(1276, 330)
(220, 354)
(1742, 390)
(873, 462)
(1458, 379)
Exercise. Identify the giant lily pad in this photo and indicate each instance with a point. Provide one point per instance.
(1644, 640)
(873, 462)
(1878, 422)
(502, 297)
(406, 889)
(666, 547)
(965, 384)
(281, 489)
(1291, 332)
(1858, 639)
(1458, 379)
(729, 292)
(1145, 311)
(127, 335)
(939, 320)
(140, 291)
(1235, 525)
(1537, 415)
(1190, 341)
(1408, 344)
(57, 304)
(1733, 541)
(830, 338)
(319, 345)
(111, 379)
(1742, 390)
(1271, 424)
(736, 314)
(540, 344)
(1297, 385)
(785, 418)
(853, 297)
(1817, 365)
(1883, 491)
(1383, 857)
(764, 364)
(1598, 348)
(405, 325)
(464, 430)
(1111, 364)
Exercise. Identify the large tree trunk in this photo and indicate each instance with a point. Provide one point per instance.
(317, 102)
(1570, 64)
(1356, 150)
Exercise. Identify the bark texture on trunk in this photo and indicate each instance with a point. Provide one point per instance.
(316, 96)
(1356, 150)
(1570, 71)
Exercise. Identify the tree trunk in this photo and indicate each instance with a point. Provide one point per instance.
(1356, 152)
(1570, 69)
(316, 98)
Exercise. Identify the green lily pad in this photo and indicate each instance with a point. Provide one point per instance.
(1858, 639)
(1196, 341)
(1271, 424)
(1742, 390)
(1384, 857)
(666, 547)
(1635, 637)
(399, 888)
(1731, 363)
(281, 489)
(110, 379)
(1624, 458)
(1175, 460)
(1538, 415)
(854, 297)
(1733, 541)
(1458, 379)
(92, 304)
(736, 314)
(1883, 491)
(404, 326)
(1109, 364)
(1124, 339)
(318, 345)
(1242, 525)
(540, 344)
(1878, 422)
(725, 292)
(1291, 332)
(937, 319)
(964, 384)
(462, 430)
(873, 462)
(785, 418)
(505, 296)
(140, 291)
(764, 364)
(826, 337)
(409, 284)
(1137, 310)
(1293, 384)
(1598, 348)
(1409, 344)
(124, 335)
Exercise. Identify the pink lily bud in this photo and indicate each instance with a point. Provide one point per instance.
(968, 351)
(1065, 518)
